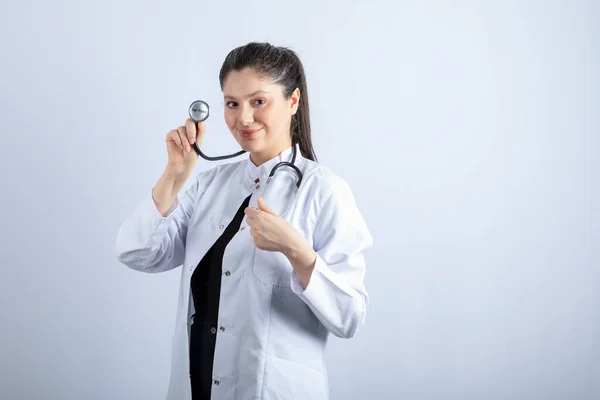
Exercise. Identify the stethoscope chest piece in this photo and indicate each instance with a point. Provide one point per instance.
(199, 110)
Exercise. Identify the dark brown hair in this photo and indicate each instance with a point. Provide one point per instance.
(282, 66)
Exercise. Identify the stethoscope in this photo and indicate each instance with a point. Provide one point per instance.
(199, 111)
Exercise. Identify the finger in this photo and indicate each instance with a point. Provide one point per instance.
(183, 135)
(174, 136)
(263, 206)
(190, 127)
(252, 222)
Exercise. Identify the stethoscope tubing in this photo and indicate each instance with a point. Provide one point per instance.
(199, 111)
(217, 158)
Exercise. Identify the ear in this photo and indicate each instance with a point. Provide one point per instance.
(294, 101)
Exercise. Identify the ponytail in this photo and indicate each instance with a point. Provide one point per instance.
(300, 128)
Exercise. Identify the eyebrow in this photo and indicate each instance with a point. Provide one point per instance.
(248, 96)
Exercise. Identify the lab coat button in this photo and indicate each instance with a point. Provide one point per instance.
(227, 273)
(217, 382)
(242, 228)
(222, 329)
(191, 267)
(221, 226)
(213, 330)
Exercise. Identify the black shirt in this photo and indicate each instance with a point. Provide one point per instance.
(206, 288)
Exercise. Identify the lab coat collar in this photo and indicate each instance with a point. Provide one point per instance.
(262, 172)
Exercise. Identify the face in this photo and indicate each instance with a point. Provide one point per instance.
(257, 114)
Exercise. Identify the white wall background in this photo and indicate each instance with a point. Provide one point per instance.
(467, 130)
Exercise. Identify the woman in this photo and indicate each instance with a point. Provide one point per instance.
(260, 291)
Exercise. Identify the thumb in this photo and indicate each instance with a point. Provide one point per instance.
(263, 207)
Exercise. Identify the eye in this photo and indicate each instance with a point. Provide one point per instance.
(260, 102)
(230, 104)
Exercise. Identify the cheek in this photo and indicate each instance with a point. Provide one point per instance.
(268, 116)
(262, 116)
(230, 120)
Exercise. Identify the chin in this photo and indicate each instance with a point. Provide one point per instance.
(251, 146)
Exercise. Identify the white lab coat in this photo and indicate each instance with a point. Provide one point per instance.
(272, 334)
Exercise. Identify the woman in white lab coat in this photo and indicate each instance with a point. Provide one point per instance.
(261, 289)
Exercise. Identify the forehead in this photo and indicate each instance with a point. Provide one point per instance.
(240, 84)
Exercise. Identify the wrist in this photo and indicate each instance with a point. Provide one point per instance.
(301, 255)
(175, 176)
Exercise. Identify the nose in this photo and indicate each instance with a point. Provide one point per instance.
(246, 115)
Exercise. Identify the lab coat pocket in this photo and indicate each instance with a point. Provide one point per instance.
(288, 380)
(272, 268)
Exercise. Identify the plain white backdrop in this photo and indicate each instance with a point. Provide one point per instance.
(468, 131)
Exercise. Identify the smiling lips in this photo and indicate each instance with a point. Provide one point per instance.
(249, 133)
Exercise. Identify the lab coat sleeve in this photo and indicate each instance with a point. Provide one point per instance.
(336, 292)
(149, 242)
